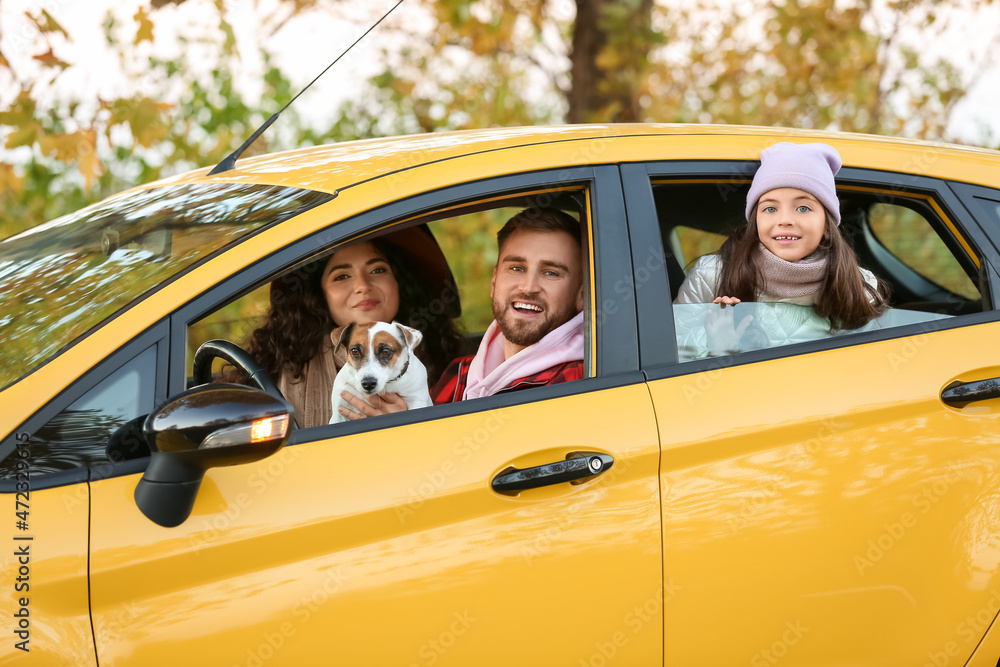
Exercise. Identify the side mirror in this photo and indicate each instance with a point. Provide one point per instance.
(204, 427)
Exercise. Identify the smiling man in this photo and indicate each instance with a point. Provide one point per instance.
(536, 338)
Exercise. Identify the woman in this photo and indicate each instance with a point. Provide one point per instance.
(402, 276)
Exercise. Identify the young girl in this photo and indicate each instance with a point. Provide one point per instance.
(791, 249)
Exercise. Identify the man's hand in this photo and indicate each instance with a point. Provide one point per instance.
(384, 404)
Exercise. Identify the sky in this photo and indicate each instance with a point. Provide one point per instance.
(305, 45)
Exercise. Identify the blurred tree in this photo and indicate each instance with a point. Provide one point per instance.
(821, 64)
(77, 151)
(831, 64)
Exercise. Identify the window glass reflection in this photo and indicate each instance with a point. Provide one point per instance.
(63, 278)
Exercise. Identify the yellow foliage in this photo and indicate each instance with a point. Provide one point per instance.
(46, 24)
(79, 147)
(49, 59)
(10, 182)
(145, 29)
(21, 117)
(146, 118)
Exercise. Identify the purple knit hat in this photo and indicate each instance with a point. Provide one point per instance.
(809, 167)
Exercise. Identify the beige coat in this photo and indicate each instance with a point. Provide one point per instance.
(310, 395)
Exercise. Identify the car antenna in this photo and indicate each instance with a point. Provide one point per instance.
(229, 162)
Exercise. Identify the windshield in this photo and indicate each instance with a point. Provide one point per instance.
(708, 330)
(60, 280)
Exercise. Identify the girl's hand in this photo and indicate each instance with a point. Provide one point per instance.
(382, 404)
(721, 331)
(726, 300)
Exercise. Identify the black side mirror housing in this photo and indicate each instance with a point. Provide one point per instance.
(204, 427)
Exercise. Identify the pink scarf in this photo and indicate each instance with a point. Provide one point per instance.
(786, 280)
(489, 373)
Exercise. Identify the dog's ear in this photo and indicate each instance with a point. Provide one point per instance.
(341, 335)
(410, 335)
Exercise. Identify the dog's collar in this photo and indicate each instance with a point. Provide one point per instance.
(405, 366)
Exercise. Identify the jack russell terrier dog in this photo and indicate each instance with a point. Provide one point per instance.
(380, 359)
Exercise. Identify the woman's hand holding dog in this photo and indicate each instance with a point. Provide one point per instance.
(385, 404)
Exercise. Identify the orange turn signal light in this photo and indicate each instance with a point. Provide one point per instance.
(268, 428)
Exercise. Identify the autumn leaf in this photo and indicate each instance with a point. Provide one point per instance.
(21, 117)
(10, 183)
(146, 118)
(47, 24)
(49, 59)
(145, 31)
(79, 148)
(89, 164)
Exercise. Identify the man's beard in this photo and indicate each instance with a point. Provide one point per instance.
(525, 332)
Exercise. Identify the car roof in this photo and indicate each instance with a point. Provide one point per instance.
(333, 167)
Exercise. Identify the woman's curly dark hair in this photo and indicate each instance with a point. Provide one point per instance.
(298, 322)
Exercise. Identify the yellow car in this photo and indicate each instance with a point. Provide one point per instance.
(817, 500)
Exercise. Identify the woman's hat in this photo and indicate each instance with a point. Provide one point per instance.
(420, 248)
(808, 167)
(421, 251)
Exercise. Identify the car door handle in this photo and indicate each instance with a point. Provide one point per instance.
(577, 466)
(960, 393)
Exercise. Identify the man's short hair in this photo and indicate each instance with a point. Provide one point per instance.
(540, 220)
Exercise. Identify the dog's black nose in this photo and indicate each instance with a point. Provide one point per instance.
(368, 383)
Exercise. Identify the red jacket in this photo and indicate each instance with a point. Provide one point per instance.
(451, 386)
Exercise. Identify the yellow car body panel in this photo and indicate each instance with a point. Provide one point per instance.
(389, 542)
(551, 147)
(827, 493)
(44, 572)
(396, 552)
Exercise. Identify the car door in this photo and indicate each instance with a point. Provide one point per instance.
(382, 542)
(44, 483)
(81, 368)
(824, 503)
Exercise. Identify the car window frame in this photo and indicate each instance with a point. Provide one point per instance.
(969, 195)
(155, 336)
(657, 336)
(616, 358)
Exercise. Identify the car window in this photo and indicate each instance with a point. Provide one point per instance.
(909, 236)
(79, 434)
(903, 240)
(689, 243)
(706, 330)
(465, 235)
(61, 279)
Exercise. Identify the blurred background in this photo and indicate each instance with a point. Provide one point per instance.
(98, 96)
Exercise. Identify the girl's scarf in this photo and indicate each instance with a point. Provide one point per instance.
(786, 280)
